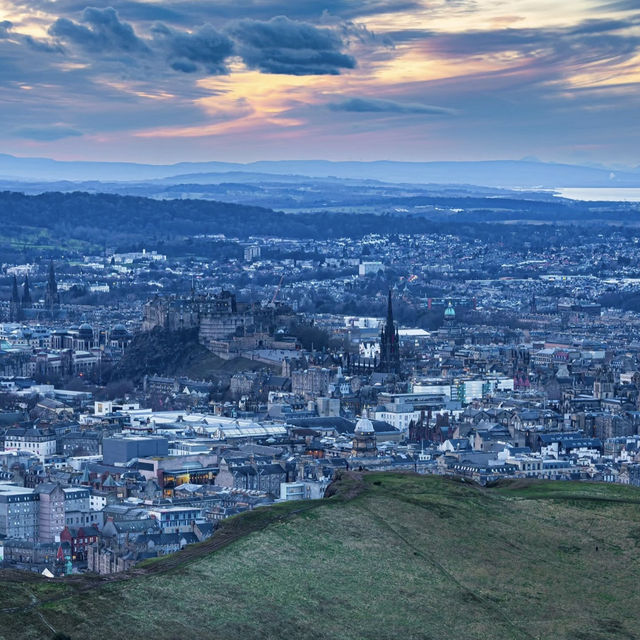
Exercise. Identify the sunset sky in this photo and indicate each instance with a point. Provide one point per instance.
(242, 80)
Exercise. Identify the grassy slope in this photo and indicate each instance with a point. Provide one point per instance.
(409, 557)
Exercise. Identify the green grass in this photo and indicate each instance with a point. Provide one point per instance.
(389, 556)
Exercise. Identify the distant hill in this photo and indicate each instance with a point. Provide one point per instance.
(85, 222)
(388, 556)
(491, 173)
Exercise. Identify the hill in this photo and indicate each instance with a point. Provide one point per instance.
(387, 556)
(175, 353)
(499, 173)
(77, 222)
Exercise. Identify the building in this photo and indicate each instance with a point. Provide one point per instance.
(369, 268)
(77, 506)
(251, 252)
(122, 449)
(389, 344)
(18, 512)
(364, 438)
(80, 539)
(40, 442)
(51, 513)
(310, 383)
(175, 519)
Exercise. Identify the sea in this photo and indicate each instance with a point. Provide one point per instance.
(609, 194)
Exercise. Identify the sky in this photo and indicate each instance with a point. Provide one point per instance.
(164, 81)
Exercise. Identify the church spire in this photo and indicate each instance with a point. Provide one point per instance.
(389, 344)
(15, 296)
(51, 295)
(15, 312)
(26, 294)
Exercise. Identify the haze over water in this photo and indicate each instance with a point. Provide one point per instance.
(609, 194)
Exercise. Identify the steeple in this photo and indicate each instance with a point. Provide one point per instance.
(52, 286)
(51, 295)
(15, 311)
(389, 344)
(26, 294)
(15, 296)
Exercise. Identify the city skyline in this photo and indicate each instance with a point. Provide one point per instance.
(400, 80)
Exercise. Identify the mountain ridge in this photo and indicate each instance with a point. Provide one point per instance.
(492, 173)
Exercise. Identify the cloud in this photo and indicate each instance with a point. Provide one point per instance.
(46, 134)
(284, 46)
(104, 33)
(187, 52)
(279, 45)
(42, 45)
(198, 12)
(587, 42)
(376, 105)
(5, 27)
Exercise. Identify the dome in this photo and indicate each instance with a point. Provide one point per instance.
(364, 426)
(85, 331)
(118, 332)
(450, 312)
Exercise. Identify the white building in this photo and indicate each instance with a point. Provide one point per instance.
(369, 268)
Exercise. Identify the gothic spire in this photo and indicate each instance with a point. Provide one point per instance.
(52, 286)
(51, 295)
(26, 293)
(15, 296)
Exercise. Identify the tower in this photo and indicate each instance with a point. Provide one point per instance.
(51, 295)
(26, 294)
(389, 344)
(15, 310)
(364, 438)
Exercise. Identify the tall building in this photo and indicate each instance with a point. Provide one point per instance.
(15, 309)
(51, 295)
(389, 344)
(26, 294)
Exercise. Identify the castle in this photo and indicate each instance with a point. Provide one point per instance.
(219, 318)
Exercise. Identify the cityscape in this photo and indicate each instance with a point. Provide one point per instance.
(319, 320)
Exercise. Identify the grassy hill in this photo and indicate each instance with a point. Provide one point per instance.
(387, 556)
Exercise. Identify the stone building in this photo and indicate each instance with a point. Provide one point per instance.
(51, 514)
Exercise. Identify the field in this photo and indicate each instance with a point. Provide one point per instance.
(388, 556)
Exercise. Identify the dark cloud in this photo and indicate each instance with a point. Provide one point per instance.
(105, 32)
(377, 105)
(42, 45)
(46, 134)
(602, 26)
(187, 52)
(285, 46)
(279, 45)
(199, 12)
(5, 27)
